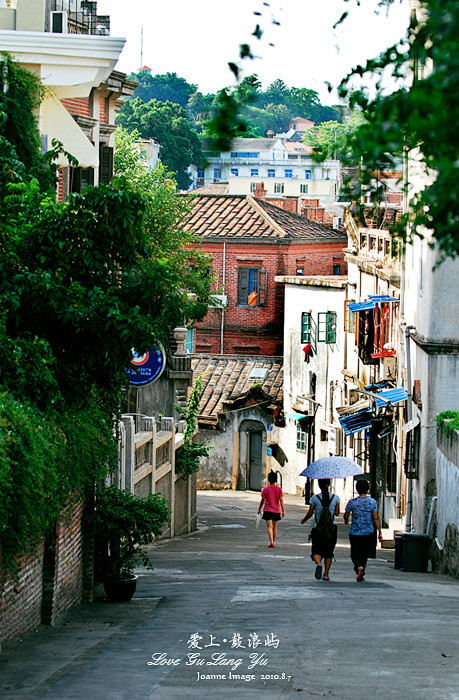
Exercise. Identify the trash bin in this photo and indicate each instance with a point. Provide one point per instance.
(415, 551)
(398, 558)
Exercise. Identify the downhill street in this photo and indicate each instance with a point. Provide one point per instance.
(222, 616)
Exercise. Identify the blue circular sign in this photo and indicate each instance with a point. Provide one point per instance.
(145, 368)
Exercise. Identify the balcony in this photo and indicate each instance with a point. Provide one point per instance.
(85, 22)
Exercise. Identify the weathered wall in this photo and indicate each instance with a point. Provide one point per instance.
(447, 472)
(216, 469)
(47, 585)
(20, 604)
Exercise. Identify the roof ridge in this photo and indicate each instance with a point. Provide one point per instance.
(253, 202)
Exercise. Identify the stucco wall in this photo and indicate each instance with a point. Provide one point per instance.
(326, 364)
(447, 470)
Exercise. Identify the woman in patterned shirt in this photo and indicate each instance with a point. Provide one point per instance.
(365, 516)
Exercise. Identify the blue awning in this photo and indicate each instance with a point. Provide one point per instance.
(296, 416)
(356, 421)
(392, 395)
(382, 298)
(361, 305)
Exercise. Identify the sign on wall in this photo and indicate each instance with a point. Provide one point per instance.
(148, 367)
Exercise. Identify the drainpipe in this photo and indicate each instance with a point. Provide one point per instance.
(223, 309)
(409, 415)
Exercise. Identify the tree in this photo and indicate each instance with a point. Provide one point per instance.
(168, 87)
(419, 119)
(332, 139)
(168, 124)
(82, 283)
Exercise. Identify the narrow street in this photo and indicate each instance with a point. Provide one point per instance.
(251, 621)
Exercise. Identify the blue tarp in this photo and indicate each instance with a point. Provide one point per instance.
(356, 421)
(392, 395)
(296, 416)
(361, 305)
(382, 298)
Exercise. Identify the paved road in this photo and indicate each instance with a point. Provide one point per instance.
(224, 616)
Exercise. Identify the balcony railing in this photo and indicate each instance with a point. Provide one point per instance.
(85, 22)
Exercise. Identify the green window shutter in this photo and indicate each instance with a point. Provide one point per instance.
(321, 327)
(305, 327)
(262, 287)
(243, 285)
(330, 331)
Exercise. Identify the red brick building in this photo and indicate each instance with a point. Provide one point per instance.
(252, 241)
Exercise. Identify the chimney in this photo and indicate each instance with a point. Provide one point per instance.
(260, 192)
(270, 134)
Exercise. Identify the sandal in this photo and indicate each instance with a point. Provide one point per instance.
(318, 572)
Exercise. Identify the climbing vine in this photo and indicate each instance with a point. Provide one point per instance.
(188, 455)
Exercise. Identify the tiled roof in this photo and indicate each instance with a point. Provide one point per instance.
(295, 147)
(217, 188)
(226, 377)
(241, 144)
(241, 216)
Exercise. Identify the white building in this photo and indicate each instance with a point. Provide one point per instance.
(286, 168)
(314, 351)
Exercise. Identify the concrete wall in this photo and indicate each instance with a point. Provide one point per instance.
(447, 472)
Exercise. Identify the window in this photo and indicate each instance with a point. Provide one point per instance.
(253, 172)
(200, 174)
(288, 173)
(413, 442)
(217, 173)
(253, 186)
(307, 174)
(279, 188)
(325, 173)
(244, 154)
(189, 340)
(105, 163)
(306, 319)
(336, 269)
(251, 286)
(300, 438)
(304, 189)
(235, 172)
(81, 178)
(271, 172)
(300, 271)
(326, 327)
(366, 337)
(349, 317)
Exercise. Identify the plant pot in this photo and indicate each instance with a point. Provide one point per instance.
(120, 590)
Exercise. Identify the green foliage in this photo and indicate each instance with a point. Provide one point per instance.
(418, 119)
(44, 460)
(164, 88)
(168, 124)
(171, 259)
(448, 421)
(124, 525)
(333, 139)
(188, 455)
(81, 283)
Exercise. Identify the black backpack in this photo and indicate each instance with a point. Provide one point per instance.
(325, 525)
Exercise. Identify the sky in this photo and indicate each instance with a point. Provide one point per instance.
(197, 38)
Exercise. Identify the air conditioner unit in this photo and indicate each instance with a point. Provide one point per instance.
(389, 367)
(218, 301)
(59, 22)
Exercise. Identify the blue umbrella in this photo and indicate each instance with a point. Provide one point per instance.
(332, 468)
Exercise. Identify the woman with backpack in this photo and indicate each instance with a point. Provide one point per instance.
(324, 530)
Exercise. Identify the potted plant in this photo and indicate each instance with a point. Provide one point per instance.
(124, 525)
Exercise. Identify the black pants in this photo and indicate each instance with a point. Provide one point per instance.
(363, 547)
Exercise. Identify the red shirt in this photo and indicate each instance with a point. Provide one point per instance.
(271, 495)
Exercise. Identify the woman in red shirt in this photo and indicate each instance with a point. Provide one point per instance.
(273, 500)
